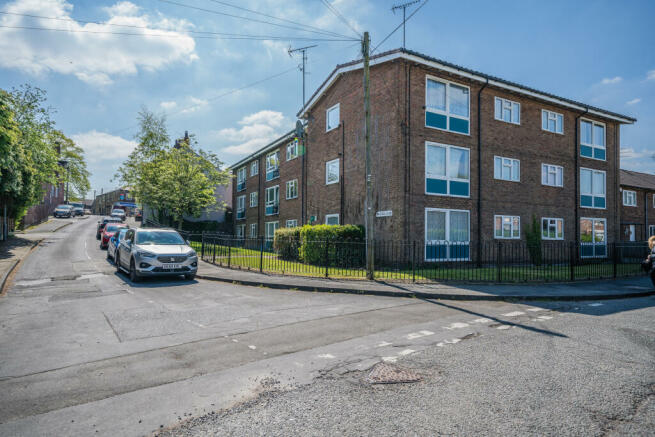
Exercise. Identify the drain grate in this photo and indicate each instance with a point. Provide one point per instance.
(384, 373)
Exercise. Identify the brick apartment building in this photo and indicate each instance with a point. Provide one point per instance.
(458, 156)
(638, 205)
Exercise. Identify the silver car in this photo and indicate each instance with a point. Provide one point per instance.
(119, 213)
(155, 252)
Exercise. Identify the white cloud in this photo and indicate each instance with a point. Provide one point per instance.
(256, 131)
(101, 146)
(633, 101)
(650, 75)
(196, 104)
(95, 58)
(611, 80)
(167, 106)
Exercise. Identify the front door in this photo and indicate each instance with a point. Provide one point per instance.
(631, 232)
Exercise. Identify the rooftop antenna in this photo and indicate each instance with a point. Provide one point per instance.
(404, 7)
(303, 50)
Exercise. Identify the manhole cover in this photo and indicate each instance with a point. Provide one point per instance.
(384, 373)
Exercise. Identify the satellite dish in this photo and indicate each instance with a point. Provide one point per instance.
(299, 129)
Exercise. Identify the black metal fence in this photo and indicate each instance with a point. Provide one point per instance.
(489, 261)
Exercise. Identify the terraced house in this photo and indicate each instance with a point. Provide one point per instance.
(460, 157)
(638, 205)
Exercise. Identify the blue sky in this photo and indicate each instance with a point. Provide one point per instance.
(593, 51)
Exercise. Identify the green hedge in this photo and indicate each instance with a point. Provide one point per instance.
(287, 243)
(339, 252)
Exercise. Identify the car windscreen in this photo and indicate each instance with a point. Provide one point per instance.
(111, 228)
(122, 233)
(117, 211)
(159, 237)
(64, 207)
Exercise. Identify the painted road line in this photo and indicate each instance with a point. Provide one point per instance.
(445, 342)
(456, 325)
(544, 317)
(252, 346)
(389, 359)
(415, 335)
(502, 327)
(514, 314)
(482, 320)
(595, 304)
(536, 309)
(326, 356)
(383, 344)
(406, 352)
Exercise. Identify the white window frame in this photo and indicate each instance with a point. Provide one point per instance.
(447, 111)
(511, 223)
(552, 221)
(592, 170)
(293, 182)
(327, 171)
(292, 223)
(625, 198)
(253, 230)
(276, 198)
(593, 220)
(446, 177)
(447, 233)
(327, 117)
(551, 115)
(254, 196)
(241, 206)
(254, 168)
(503, 103)
(241, 177)
(277, 226)
(547, 169)
(241, 230)
(651, 230)
(273, 167)
(329, 216)
(593, 140)
(292, 145)
(503, 163)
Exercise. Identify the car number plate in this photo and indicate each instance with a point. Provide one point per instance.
(171, 266)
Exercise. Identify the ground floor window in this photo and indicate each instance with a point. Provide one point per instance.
(253, 230)
(241, 231)
(651, 230)
(507, 226)
(292, 223)
(447, 234)
(271, 227)
(593, 237)
(332, 219)
(552, 228)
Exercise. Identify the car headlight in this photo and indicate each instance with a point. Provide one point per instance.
(191, 253)
(145, 254)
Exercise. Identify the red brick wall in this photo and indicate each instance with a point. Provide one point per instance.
(641, 216)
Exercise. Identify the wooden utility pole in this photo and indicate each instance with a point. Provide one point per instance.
(370, 247)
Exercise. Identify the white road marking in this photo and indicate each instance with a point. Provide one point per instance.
(536, 309)
(235, 340)
(514, 314)
(544, 317)
(415, 335)
(252, 346)
(595, 304)
(503, 327)
(482, 320)
(456, 325)
(33, 282)
(390, 359)
(195, 324)
(90, 276)
(406, 352)
(326, 356)
(85, 252)
(445, 342)
(384, 343)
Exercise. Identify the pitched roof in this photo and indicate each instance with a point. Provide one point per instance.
(636, 179)
(461, 71)
(270, 146)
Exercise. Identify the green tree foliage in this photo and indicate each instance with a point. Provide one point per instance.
(74, 173)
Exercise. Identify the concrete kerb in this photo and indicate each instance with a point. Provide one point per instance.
(4, 281)
(424, 295)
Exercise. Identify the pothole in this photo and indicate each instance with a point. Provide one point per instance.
(385, 373)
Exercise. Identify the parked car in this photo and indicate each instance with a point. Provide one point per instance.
(114, 241)
(138, 216)
(87, 211)
(155, 252)
(108, 231)
(118, 213)
(103, 222)
(63, 211)
(77, 210)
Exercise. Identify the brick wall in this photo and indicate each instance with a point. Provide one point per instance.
(641, 216)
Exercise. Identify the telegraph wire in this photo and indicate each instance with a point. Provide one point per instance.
(338, 14)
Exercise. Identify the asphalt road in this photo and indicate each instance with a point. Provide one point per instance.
(85, 352)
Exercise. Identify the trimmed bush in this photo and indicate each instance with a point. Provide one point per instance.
(287, 243)
(344, 244)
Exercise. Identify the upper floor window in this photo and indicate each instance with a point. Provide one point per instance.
(507, 110)
(272, 200)
(241, 179)
(447, 170)
(332, 118)
(254, 168)
(552, 121)
(241, 207)
(273, 165)
(552, 175)
(292, 150)
(292, 189)
(592, 139)
(332, 172)
(447, 106)
(254, 197)
(592, 188)
(629, 198)
(507, 169)
(507, 226)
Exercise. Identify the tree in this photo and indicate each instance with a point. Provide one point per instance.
(75, 174)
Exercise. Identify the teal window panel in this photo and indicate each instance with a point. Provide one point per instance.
(436, 251)
(459, 188)
(459, 251)
(587, 201)
(599, 154)
(599, 202)
(271, 210)
(459, 125)
(436, 186)
(601, 250)
(439, 121)
(587, 250)
(587, 151)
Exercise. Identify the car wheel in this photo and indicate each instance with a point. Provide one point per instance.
(134, 276)
(108, 257)
(190, 277)
(117, 261)
(97, 237)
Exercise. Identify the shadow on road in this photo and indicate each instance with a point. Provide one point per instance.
(7, 247)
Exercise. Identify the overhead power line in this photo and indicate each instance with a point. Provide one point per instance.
(211, 11)
(400, 25)
(338, 14)
(276, 18)
(234, 36)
